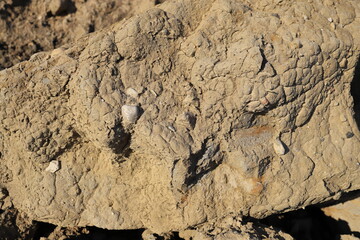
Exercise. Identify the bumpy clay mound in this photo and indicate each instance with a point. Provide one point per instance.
(191, 112)
(30, 26)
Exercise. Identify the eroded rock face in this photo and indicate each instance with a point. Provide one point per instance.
(242, 109)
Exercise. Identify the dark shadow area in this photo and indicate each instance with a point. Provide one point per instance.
(310, 224)
(202, 162)
(66, 7)
(53, 232)
(16, 3)
(87, 233)
(5, 12)
(103, 234)
(3, 45)
(159, 1)
(355, 92)
(43, 230)
(347, 196)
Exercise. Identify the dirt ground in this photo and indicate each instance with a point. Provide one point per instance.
(30, 26)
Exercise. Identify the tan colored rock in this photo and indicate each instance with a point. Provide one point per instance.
(348, 212)
(130, 113)
(244, 73)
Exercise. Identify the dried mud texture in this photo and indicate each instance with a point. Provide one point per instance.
(30, 26)
(190, 112)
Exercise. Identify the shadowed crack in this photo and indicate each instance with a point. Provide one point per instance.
(355, 92)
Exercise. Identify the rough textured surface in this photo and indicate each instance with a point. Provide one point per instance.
(232, 228)
(30, 26)
(244, 110)
(13, 224)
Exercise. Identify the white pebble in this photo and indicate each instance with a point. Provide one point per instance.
(130, 113)
(54, 166)
(279, 147)
(171, 128)
(132, 93)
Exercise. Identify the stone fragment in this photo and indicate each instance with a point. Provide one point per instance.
(130, 113)
(279, 147)
(132, 93)
(53, 167)
(349, 135)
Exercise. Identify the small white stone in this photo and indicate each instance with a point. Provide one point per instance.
(132, 93)
(171, 128)
(130, 113)
(330, 20)
(279, 147)
(153, 92)
(54, 166)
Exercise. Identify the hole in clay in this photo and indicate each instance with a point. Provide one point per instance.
(355, 92)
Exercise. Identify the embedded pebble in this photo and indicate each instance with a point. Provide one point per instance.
(349, 135)
(130, 113)
(333, 26)
(279, 147)
(132, 93)
(57, 51)
(171, 128)
(53, 167)
(343, 63)
(154, 93)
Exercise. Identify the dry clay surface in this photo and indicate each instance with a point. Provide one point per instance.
(191, 112)
(30, 26)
